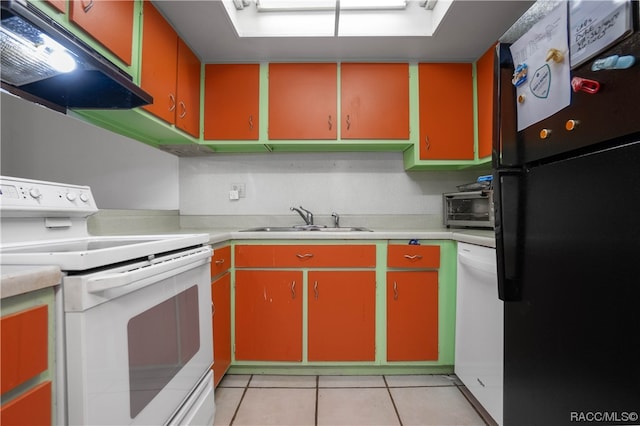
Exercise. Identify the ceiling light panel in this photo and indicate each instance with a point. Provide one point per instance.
(294, 5)
(318, 18)
(372, 4)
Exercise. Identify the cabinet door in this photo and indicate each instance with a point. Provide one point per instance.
(412, 316)
(486, 84)
(302, 101)
(341, 324)
(109, 22)
(188, 91)
(231, 101)
(221, 317)
(159, 63)
(268, 316)
(375, 101)
(446, 111)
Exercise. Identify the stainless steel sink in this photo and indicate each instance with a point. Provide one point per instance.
(300, 228)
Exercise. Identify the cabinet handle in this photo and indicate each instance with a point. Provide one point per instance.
(184, 109)
(330, 123)
(293, 290)
(304, 256)
(348, 121)
(315, 289)
(413, 257)
(219, 261)
(395, 290)
(427, 143)
(172, 98)
(251, 122)
(87, 7)
(213, 308)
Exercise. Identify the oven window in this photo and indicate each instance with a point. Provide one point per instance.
(161, 341)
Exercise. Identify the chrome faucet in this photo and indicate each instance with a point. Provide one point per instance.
(336, 220)
(307, 215)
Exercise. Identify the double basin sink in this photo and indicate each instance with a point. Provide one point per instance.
(310, 228)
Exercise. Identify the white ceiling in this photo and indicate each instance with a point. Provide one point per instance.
(467, 31)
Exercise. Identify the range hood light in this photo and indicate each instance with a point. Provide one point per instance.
(62, 61)
(57, 56)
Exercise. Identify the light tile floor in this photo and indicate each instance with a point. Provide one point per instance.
(343, 400)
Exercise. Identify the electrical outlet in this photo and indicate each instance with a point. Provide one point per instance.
(240, 188)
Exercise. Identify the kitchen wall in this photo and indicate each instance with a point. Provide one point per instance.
(348, 183)
(39, 143)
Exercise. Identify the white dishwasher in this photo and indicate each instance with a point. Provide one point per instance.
(479, 327)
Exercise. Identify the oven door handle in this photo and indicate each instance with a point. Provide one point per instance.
(158, 269)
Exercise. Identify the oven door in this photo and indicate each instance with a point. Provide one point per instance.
(138, 340)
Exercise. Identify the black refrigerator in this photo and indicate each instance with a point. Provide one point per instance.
(567, 204)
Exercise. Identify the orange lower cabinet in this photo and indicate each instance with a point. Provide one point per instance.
(24, 346)
(221, 317)
(31, 408)
(412, 316)
(341, 323)
(268, 316)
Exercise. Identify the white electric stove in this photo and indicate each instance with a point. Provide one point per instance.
(133, 340)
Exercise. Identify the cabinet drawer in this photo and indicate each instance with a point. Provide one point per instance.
(31, 408)
(409, 256)
(24, 346)
(348, 256)
(221, 260)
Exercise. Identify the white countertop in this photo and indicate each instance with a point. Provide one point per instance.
(18, 279)
(471, 236)
(226, 228)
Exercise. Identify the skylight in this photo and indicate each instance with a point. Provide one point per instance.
(336, 18)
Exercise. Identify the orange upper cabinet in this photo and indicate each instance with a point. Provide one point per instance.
(231, 101)
(374, 101)
(485, 84)
(170, 72)
(188, 90)
(303, 101)
(159, 63)
(446, 111)
(109, 22)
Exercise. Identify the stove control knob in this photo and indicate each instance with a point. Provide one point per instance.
(84, 198)
(35, 193)
(71, 196)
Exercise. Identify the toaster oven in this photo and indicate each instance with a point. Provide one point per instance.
(471, 209)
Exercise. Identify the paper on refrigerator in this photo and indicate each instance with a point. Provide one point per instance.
(547, 88)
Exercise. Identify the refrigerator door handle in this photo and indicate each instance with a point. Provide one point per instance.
(509, 220)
